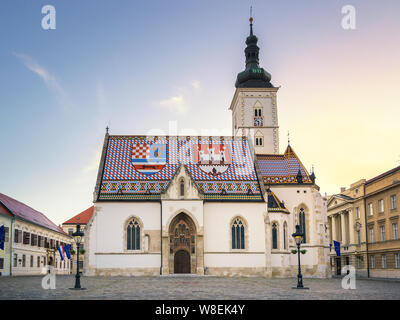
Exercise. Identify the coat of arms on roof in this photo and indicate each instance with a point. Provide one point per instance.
(149, 158)
(213, 159)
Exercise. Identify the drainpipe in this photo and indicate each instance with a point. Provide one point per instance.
(161, 236)
(366, 229)
(11, 242)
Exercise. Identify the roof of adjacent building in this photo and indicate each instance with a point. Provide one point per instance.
(283, 169)
(274, 204)
(130, 169)
(24, 212)
(383, 175)
(81, 218)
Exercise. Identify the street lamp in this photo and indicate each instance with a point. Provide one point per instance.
(298, 236)
(78, 238)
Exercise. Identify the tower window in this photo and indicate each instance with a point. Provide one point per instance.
(259, 141)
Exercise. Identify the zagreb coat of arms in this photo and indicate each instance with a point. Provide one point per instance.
(213, 159)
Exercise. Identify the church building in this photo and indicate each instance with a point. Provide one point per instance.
(213, 205)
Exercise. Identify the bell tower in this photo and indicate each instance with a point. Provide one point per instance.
(254, 109)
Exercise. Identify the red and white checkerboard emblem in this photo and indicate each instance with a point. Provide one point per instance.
(140, 151)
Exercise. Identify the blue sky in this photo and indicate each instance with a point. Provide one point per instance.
(136, 65)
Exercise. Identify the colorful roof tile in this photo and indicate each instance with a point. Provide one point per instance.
(140, 167)
(81, 218)
(274, 204)
(283, 169)
(24, 212)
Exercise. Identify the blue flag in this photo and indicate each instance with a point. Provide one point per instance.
(337, 247)
(67, 249)
(2, 235)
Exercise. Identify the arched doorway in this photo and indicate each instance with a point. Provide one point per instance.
(182, 262)
(182, 244)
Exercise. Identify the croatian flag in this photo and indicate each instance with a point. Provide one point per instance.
(61, 251)
(67, 250)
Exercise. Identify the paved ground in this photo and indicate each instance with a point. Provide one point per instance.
(194, 287)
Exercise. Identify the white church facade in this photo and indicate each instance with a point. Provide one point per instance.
(209, 205)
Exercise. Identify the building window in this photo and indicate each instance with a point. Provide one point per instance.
(70, 232)
(372, 262)
(371, 235)
(6, 234)
(359, 262)
(285, 236)
(27, 237)
(133, 235)
(38, 261)
(274, 236)
(357, 213)
(393, 202)
(259, 141)
(382, 228)
(395, 231)
(380, 205)
(302, 223)
(359, 237)
(182, 187)
(44, 261)
(397, 260)
(370, 210)
(238, 239)
(384, 261)
(23, 260)
(31, 261)
(15, 260)
(1, 263)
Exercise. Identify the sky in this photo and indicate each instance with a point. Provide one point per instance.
(140, 66)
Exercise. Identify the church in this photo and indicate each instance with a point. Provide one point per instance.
(218, 205)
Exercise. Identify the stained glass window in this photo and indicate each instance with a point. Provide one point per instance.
(274, 236)
(133, 235)
(238, 238)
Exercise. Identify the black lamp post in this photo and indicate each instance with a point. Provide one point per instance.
(78, 238)
(298, 236)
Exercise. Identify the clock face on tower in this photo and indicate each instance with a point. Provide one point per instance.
(258, 121)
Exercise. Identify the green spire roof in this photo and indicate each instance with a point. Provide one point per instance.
(253, 76)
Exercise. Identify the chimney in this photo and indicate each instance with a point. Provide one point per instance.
(342, 189)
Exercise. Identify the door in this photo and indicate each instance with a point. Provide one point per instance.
(338, 267)
(182, 262)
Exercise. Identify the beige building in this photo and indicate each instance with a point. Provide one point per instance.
(365, 220)
(69, 227)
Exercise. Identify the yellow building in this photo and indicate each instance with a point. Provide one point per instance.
(365, 220)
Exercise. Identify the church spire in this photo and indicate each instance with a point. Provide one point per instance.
(253, 76)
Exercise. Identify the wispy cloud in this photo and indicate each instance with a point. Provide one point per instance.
(179, 103)
(175, 103)
(49, 79)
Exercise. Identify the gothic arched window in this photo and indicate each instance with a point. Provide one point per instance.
(182, 187)
(133, 235)
(285, 236)
(274, 236)
(302, 223)
(238, 239)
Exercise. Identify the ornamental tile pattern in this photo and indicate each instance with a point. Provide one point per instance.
(230, 175)
(282, 169)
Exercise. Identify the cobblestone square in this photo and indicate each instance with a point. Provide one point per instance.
(194, 287)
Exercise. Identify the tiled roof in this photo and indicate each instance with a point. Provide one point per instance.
(140, 167)
(383, 175)
(27, 213)
(274, 204)
(81, 218)
(282, 169)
